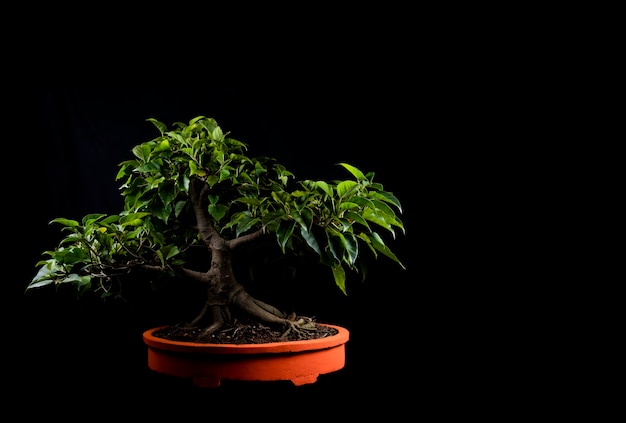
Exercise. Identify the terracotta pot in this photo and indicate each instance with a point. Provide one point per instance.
(207, 365)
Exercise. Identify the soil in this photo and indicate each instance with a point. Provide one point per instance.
(243, 332)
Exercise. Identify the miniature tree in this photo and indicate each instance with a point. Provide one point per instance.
(194, 186)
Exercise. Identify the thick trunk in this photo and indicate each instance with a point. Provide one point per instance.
(223, 290)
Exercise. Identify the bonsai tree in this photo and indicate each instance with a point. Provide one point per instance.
(193, 187)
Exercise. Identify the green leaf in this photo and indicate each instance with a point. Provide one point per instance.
(160, 126)
(41, 283)
(133, 219)
(46, 270)
(92, 218)
(310, 239)
(163, 146)
(336, 245)
(142, 152)
(167, 192)
(363, 202)
(354, 171)
(194, 170)
(340, 278)
(352, 247)
(345, 187)
(249, 200)
(71, 255)
(218, 211)
(179, 207)
(355, 217)
(379, 245)
(111, 219)
(325, 187)
(384, 207)
(380, 219)
(284, 232)
(388, 197)
(298, 218)
(169, 251)
(245, 223)
(77, 280)
(65, 222)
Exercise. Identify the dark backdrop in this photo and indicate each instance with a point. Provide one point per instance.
(68, 143)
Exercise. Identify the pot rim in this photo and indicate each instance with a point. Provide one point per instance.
(341, 337)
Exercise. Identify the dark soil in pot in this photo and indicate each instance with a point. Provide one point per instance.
(242, 331)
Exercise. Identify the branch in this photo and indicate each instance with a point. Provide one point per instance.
(192, 274)
(196, 275)
(233, 243)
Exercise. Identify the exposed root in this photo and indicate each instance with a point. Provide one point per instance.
(220, 316)
(300, 327)
(297, 327)
(210, 330)
(243, 331)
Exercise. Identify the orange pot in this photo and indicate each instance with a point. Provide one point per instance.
(207, 365)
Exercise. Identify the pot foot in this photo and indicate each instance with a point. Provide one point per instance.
(304, 380)
(206, 382)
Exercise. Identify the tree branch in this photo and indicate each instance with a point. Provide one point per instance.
(233, 243)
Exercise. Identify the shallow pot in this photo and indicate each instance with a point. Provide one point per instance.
(207, 365)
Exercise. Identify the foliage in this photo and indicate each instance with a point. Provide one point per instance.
(242, 197)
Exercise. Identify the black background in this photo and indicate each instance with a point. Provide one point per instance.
(68, 143)
(448, 107)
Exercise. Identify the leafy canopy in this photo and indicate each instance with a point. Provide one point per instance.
(335, 220)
